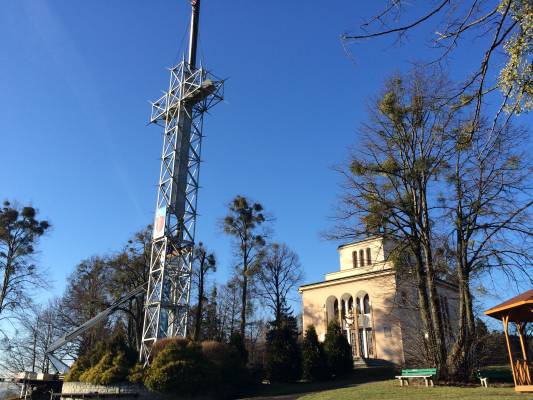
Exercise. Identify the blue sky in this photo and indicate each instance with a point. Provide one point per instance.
(76, 81)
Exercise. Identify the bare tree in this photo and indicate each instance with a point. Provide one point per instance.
(228, 308)
(205, 262)
(489, 202)
(507, 24)
(389, 180)
(280, 273)
(242, 223)
(85, 296)
(25, 348)
(20, 232)
(129, 269)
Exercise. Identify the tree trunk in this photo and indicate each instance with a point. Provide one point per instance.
(34, 347)
(244, 299)
(438, 331)
(423, 305)
(199, 308)
(459, 360)
(7, 275)
(433, 297)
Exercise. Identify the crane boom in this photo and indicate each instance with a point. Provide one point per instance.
(73, 334)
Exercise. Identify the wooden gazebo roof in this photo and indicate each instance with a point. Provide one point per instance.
(519, 308)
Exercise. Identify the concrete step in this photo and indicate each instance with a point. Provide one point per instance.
(371, 363)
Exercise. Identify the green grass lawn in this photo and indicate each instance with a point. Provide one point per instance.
(391, 390)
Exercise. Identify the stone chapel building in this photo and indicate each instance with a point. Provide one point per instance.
(376, 308)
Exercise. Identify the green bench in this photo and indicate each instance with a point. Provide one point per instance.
(497, 375)
(427, 374)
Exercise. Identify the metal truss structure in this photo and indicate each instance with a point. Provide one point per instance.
(192, 92)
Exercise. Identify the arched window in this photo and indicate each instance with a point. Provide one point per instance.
(354, 259)
(362, 257)
(365, 326)
(347, 312)
(366, 304)
(332, 309)
(368, 256)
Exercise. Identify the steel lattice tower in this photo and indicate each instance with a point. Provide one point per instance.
(192, 91)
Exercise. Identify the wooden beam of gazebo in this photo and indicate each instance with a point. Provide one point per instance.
(518, 310)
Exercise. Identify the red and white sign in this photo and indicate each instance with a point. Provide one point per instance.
(159, 223)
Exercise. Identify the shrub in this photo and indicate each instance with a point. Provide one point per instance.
(228, 371)
(109, 363)
(86, 361)
(78, 368)
(160, 344)
(337, 350)
(314, 365)
(179, 366)
(283, 360)
(137, 374)
(207, 368)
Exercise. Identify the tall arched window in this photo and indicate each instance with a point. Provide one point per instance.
(354, 259)
(362, 257)
(365, 326)
(368, 256)
(332, 309)
(366, 304)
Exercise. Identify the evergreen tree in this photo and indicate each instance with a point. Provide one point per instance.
(337, 349)
(205, 262)
(283, 358)
(243, 222)
(211, 329)
(314, 365)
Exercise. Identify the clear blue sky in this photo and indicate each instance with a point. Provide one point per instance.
(76, 78)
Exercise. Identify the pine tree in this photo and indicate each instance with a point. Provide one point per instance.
(243, 222)
(283, 358)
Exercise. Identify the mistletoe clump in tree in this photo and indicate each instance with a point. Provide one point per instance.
(20, 231)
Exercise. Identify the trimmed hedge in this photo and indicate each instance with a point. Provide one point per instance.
(192, 368)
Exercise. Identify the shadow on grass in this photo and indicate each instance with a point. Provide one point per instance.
(287, 390)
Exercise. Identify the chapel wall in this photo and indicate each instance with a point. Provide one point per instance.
(386, 319)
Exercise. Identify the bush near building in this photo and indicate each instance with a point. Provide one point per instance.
(314, 365)
(338, 353)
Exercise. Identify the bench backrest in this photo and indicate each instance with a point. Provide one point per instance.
(414, 372)
(494, 374)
